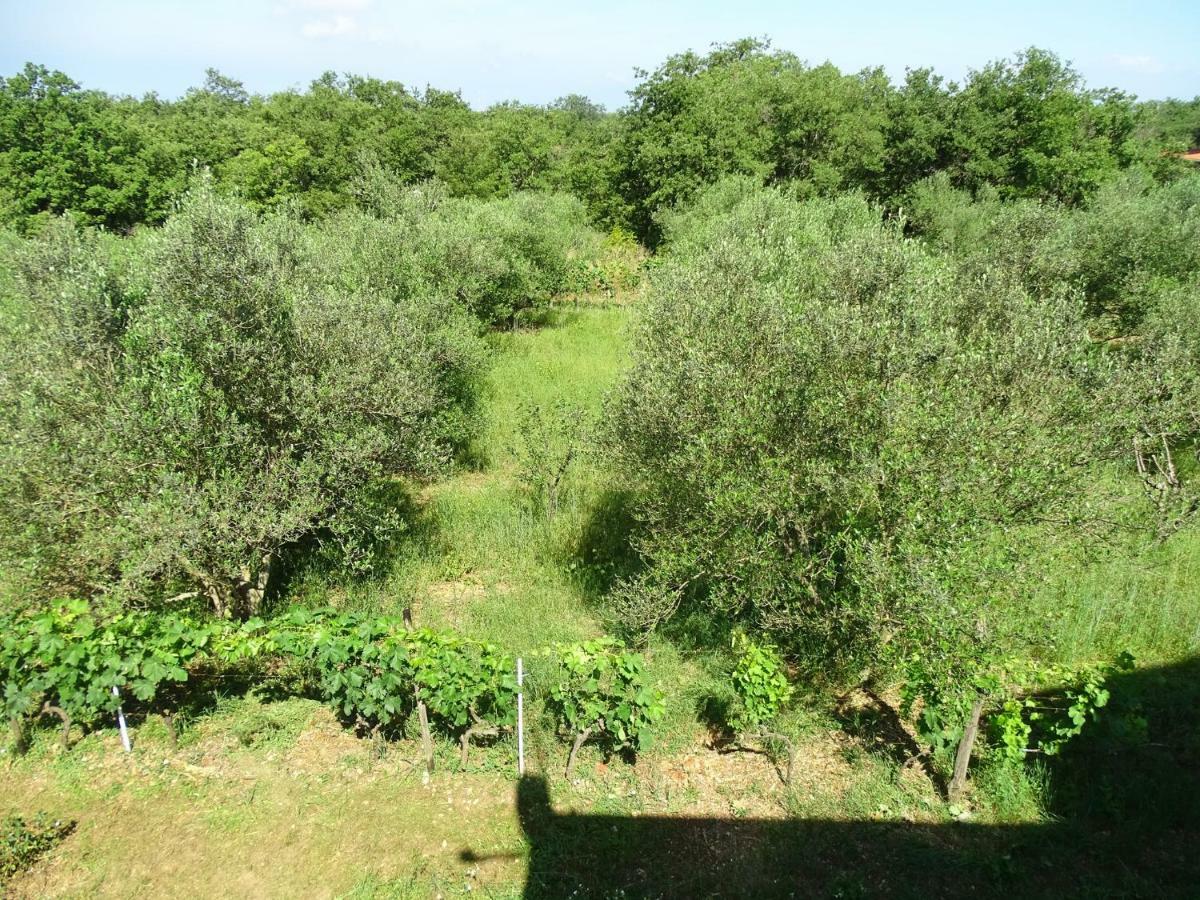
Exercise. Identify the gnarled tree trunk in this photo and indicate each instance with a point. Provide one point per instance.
(243, 597)
(579, 741)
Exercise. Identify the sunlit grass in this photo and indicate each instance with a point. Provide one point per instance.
(1143, 597)
(486, 560)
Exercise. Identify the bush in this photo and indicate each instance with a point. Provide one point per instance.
(1119, 250)
(178, 410)
(680, 222)
(1045, 718)
(500, 257)
(1130, 239)
(495, 256)
(63, 660)
(1132, 256)
(760, 684)
(552, 440)
(374, 670)
(610, 266)
(492, 259)
(984, 233)
(841, 435)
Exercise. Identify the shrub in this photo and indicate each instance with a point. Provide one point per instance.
(680, 222)
(1056, 717)
(68, 662)
(983, 233)
(380, 193)
(840, 435)
(761, 690)
(550, 445)
(760, 684)
(492, 259)
(609, 266)
(1119, 250)
(362, 669)
(500, 257)
(1131, 255)
(1131, 238)
(180, 409)
(374, 670)
(24, 841)
(470, 687)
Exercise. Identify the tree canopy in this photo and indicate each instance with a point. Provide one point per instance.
(1028, 127)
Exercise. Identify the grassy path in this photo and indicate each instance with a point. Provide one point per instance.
(516, 568)
(482, 558)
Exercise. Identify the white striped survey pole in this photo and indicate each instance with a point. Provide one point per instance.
(121, 722)
(520, 719)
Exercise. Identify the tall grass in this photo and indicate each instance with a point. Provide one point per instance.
(1143, 597)
(481, 557)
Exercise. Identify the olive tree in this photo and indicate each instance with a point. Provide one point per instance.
(1132, 253)
(841, 437)
(180, 408)
(495, 258)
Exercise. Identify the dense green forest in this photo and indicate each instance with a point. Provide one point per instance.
(1028, 127)
(783, 418)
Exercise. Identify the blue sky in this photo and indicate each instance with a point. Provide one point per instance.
(536, 50)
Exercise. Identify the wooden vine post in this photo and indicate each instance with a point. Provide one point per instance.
(963, 758)
(422, 712)
(789, 746)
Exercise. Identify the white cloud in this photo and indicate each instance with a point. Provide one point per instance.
(1148, 65)
(338, 26)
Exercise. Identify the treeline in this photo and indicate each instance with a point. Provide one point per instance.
(120, 161)
(1027, 126)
